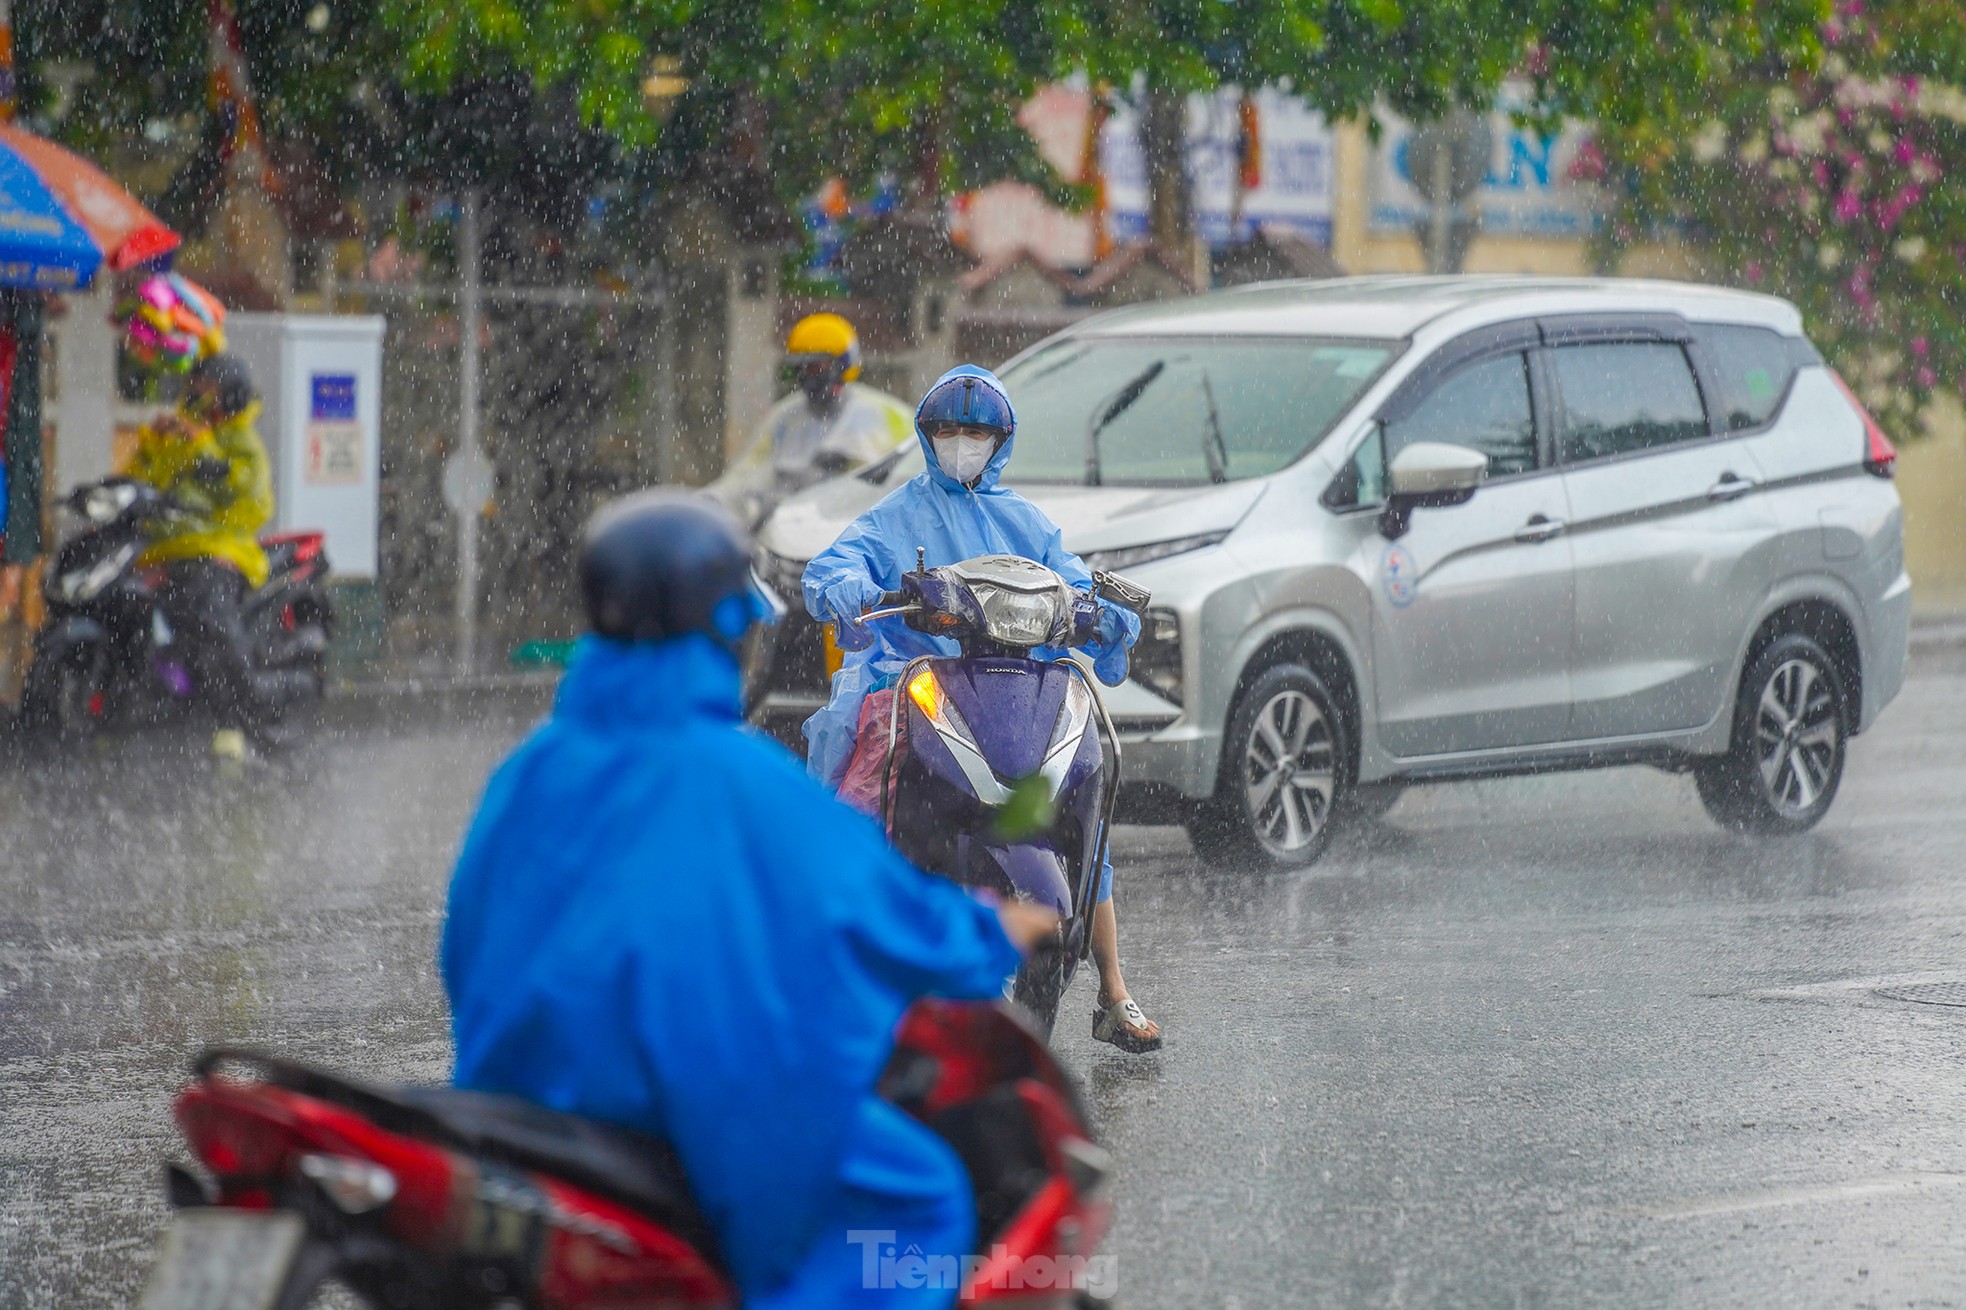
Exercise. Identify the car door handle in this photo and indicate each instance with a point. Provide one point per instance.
(1731, 486)
(1540, 528)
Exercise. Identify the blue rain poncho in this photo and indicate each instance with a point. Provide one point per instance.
(952, 523)
(658, 920)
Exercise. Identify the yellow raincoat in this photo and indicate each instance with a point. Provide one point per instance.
(225, 516)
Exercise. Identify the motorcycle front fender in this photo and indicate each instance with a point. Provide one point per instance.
(1037, 873)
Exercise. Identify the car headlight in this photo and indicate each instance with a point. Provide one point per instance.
(1127, 557)
(1155, 660)
(1017, 618)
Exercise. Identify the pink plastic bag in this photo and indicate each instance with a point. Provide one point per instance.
(861, 787)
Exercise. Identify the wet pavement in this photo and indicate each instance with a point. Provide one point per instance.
(1542, 1042)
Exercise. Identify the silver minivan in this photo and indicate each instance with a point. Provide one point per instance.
(1404, 529)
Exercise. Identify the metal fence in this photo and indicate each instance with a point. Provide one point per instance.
(572, 412)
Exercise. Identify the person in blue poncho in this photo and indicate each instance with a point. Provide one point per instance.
(954, 510)
(660, 921)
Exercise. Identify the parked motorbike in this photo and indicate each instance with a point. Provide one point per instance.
(1001, 769)
(422, 1196)
(107, 654)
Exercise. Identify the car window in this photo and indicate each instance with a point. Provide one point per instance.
(1181, 411)
(1623, 397)
(1484, 406)
(1363, 479)
(1752, 370)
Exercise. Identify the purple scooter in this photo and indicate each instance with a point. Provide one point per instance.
(1001, 768)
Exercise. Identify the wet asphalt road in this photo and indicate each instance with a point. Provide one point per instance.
(1543, 1042)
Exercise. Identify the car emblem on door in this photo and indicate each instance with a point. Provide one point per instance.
(1402, 579)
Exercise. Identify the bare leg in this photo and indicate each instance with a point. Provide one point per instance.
(1106, 957)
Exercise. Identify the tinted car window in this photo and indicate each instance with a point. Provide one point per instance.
(1752, 370)
(1484, 406)
(1180, 411)
(1625, 397)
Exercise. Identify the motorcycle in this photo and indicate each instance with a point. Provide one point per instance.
(1000, 770)
(107, 654)
(424, 1196)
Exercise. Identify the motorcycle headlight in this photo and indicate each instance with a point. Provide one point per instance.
(103, 504)
(1017, 618)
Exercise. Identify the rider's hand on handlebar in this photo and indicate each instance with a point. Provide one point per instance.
(1026, 924)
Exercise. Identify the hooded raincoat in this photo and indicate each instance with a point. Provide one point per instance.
(225, 517)
(658, 920)
(952, 523)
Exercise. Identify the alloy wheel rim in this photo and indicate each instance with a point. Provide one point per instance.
(1290, 772)
(1797, 736)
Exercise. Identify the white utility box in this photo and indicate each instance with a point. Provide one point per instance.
(321, 377)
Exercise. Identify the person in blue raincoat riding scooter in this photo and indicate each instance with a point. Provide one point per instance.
(660, 921)
(953, 510)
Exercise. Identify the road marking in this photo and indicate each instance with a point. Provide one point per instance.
(1778, 1198)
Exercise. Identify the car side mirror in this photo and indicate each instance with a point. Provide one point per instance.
(1429, 474)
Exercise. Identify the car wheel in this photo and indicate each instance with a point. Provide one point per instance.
(1791, 732)
(1283, 771)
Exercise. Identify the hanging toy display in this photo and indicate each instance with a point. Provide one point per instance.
(169, 323)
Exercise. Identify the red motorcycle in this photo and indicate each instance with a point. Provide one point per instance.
(422, 1196)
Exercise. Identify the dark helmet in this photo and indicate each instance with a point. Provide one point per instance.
(226, 379)
(968, 399)
(663, 563)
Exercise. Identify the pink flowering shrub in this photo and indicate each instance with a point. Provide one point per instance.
(1842, 188)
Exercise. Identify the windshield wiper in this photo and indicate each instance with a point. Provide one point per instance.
(1213, 448)
(1102, 417)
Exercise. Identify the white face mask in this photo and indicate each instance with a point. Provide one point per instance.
(964, 458)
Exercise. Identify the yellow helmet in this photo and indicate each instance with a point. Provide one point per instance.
(817, 338)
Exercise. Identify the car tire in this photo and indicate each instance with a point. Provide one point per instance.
(1790, 737)
(1285, 767)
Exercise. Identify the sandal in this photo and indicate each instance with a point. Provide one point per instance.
(1114, 1024)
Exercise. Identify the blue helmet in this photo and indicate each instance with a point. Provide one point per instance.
(967, 399)
(664, 563)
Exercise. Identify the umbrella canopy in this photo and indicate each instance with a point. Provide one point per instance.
(62, 218)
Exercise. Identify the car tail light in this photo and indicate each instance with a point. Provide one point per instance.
(1880, 456)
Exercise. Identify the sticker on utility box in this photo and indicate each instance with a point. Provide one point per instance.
(334, 435)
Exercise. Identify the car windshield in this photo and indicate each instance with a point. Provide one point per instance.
(1175, 411)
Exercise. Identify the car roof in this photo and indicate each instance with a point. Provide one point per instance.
(1400, 306)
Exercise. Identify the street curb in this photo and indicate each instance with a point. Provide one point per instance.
(386, 688)
(1938, 633)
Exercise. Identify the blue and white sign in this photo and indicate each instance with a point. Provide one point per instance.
(1294, 174)
(334, 436)
(1530, 190)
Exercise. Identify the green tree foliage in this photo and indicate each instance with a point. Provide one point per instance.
(851, 86)
(1835, 184)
